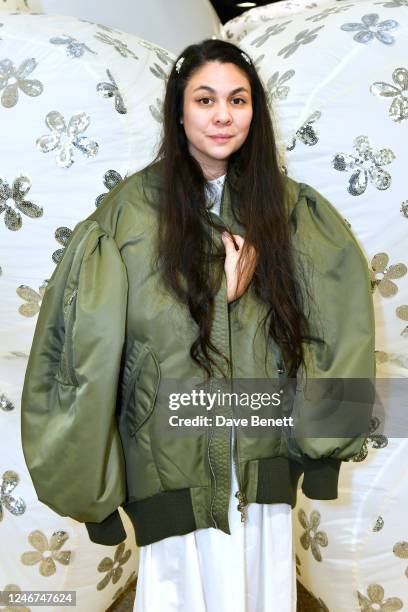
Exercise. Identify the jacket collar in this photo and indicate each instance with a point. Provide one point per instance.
(292, 193)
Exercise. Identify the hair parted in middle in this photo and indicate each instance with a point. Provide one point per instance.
(186, 253)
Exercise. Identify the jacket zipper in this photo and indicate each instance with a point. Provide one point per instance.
(213, 474)
(68, 338)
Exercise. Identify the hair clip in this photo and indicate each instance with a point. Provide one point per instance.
(246, 57)
(179, 63)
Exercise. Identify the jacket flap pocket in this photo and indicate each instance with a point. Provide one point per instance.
(142, 382)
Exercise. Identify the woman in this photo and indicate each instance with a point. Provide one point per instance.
(209, 267)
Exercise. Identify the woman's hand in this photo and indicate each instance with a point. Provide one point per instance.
(237, 283)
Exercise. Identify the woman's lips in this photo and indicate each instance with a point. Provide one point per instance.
(221, 139)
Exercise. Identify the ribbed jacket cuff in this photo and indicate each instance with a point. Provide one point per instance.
(108, 532)
(321, 476)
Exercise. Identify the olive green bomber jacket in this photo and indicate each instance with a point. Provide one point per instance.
(109, 336)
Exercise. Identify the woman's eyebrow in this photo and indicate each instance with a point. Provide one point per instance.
(208, 88)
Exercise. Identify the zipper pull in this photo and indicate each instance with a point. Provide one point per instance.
(71, 297)
(241, 506)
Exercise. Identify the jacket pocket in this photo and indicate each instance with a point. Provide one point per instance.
(141, 383)
(66, 371)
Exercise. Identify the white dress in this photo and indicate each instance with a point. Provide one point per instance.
(207, 570)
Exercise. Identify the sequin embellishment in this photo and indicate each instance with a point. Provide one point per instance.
(111, 90)
(21, 187)
(16, 506)
(71, 133)
(13, 79)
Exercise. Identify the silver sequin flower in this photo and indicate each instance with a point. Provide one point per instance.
(157, 110)
(369, 28)
(111, 178)
(302, 38)
(113, 567)
(32, 298)
(62, 235)
(17, 194)
(276, 90)
(73, 47)
(385, 284)
(40, 542)
(71, 134)
(311, 537)
(117, 44)
(404, 209)
(366, 165)
(374, 440)
(375, 601)
(13, 79)
(111, 90)
(161, 54)
(327, 12)
(398, 110)
(5, 403)
(306, 133)
(16, 506)
(272, 30)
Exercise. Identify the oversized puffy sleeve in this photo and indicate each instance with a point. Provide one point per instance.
(334, 401)
(69, 429)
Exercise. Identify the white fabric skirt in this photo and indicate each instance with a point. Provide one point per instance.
(207, 570)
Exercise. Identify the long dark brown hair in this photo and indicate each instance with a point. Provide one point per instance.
(186, 252)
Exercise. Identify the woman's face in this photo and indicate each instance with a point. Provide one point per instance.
(217, 114)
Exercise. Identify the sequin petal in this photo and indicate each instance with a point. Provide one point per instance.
(87, 146)
(104, 582)
(120, 105)
(38, 540)
(56, 122)
(105, 565)
(107, 90)
(78, 124)
(380, 178)
(31, 557)
(63, 557)
(305, 540)
(370, 19)
(58, 539)
(385, 37)
(31, 88)
(65, 157)
(343, 162)
(12, 219)
(26, 68)
(364, 36)
(21, 186)
(398, 110)
(10, 480)
(9, 97)
(111, 179)
(30, 209)
(47, 567)
(25, 292)
(358, 182)
(379, 262)
(48, 142)
(387, 288)
(15, 506)
(400, 77)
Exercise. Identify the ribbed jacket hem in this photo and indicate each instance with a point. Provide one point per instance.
(277, 481)
(166, 514)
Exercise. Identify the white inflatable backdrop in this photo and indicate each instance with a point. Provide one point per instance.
(86, 101)
(172, 24)
(79, 109)
(337, 78)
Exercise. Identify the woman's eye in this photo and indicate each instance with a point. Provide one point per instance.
(240, 99)
(205, 101)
